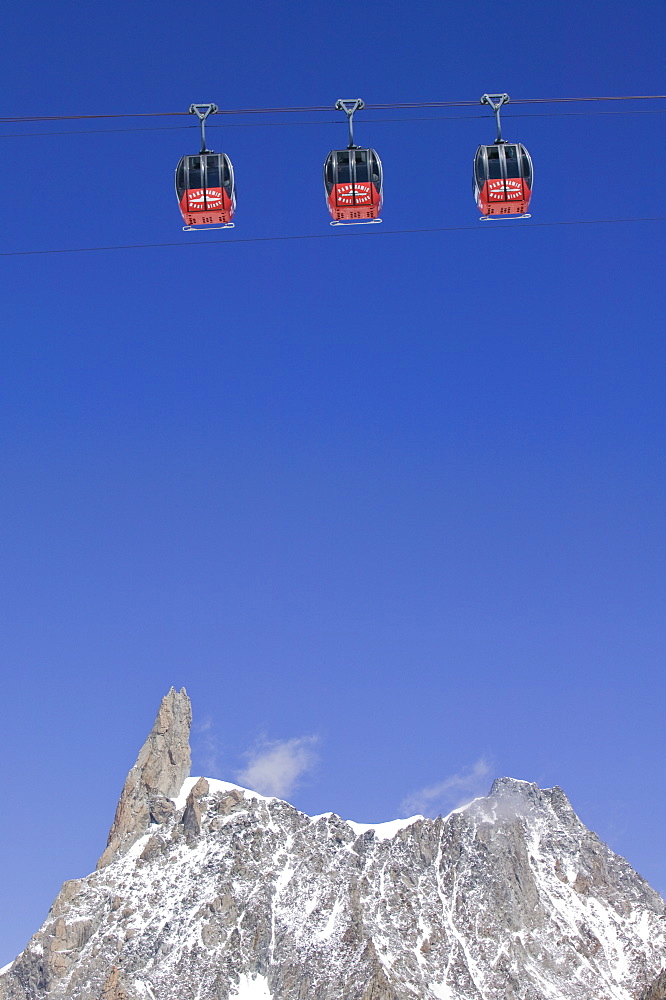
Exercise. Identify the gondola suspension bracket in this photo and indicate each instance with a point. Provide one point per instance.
(202, 111)
(350, 107)
(496, 101)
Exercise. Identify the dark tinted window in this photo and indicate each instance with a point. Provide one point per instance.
(512, 161)
(328, 172)
(527, 166)
(344, 174)
(213, 172)
(180, 178)
(480, 168)
(194, 180)
(494, 163)
(375, 169)
(362, 173)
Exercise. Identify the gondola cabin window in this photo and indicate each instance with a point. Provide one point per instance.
(512, 162)
(344, 167)
(362, 172)
(494, 163)
(212, 172)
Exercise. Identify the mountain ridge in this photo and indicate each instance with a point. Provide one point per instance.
(217, 892)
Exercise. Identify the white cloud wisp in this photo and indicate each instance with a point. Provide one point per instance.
(276, 768)
(451, 793)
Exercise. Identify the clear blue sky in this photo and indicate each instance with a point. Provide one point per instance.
(399, 494)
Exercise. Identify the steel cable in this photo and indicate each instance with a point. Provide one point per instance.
(369, 121)
(396, 106)
(497, 225)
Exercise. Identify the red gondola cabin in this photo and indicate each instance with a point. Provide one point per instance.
(206, 190)
(503, 179)
(353, 184)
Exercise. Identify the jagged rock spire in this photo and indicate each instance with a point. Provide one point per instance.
(160, 770)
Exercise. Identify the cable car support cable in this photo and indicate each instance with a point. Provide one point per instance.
(330, 236)
(306, 110)
(372, 121)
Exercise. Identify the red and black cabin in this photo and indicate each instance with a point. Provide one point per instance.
(353, 184)
(503, 176)
(206, 189)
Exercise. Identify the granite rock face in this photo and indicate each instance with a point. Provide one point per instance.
(657, 989)
(161, 767)
(112, 990)
(224, 893)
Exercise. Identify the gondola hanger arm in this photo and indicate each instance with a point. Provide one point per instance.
(496, 101)
(350, 107)
(202, 111)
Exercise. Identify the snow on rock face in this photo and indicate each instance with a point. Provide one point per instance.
(382, 831)
(235, 896)
(209, 891)
(252, 989)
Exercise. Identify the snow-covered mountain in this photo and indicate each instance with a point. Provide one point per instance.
(208, 891)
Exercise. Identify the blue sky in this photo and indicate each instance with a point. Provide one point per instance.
(390, 507)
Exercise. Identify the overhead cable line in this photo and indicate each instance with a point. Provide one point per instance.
(318, 109)
(376, 121)
(331, 236)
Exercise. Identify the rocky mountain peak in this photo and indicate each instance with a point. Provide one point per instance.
(159, 772)
(523, 798)
(209, 891)
(515, 786)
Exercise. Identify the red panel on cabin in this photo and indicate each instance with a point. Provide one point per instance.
(204, 208)
(510, 196)
(354, 201)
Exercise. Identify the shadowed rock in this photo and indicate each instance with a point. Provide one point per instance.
(112, 990)
(193, 810)
(657, 991)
